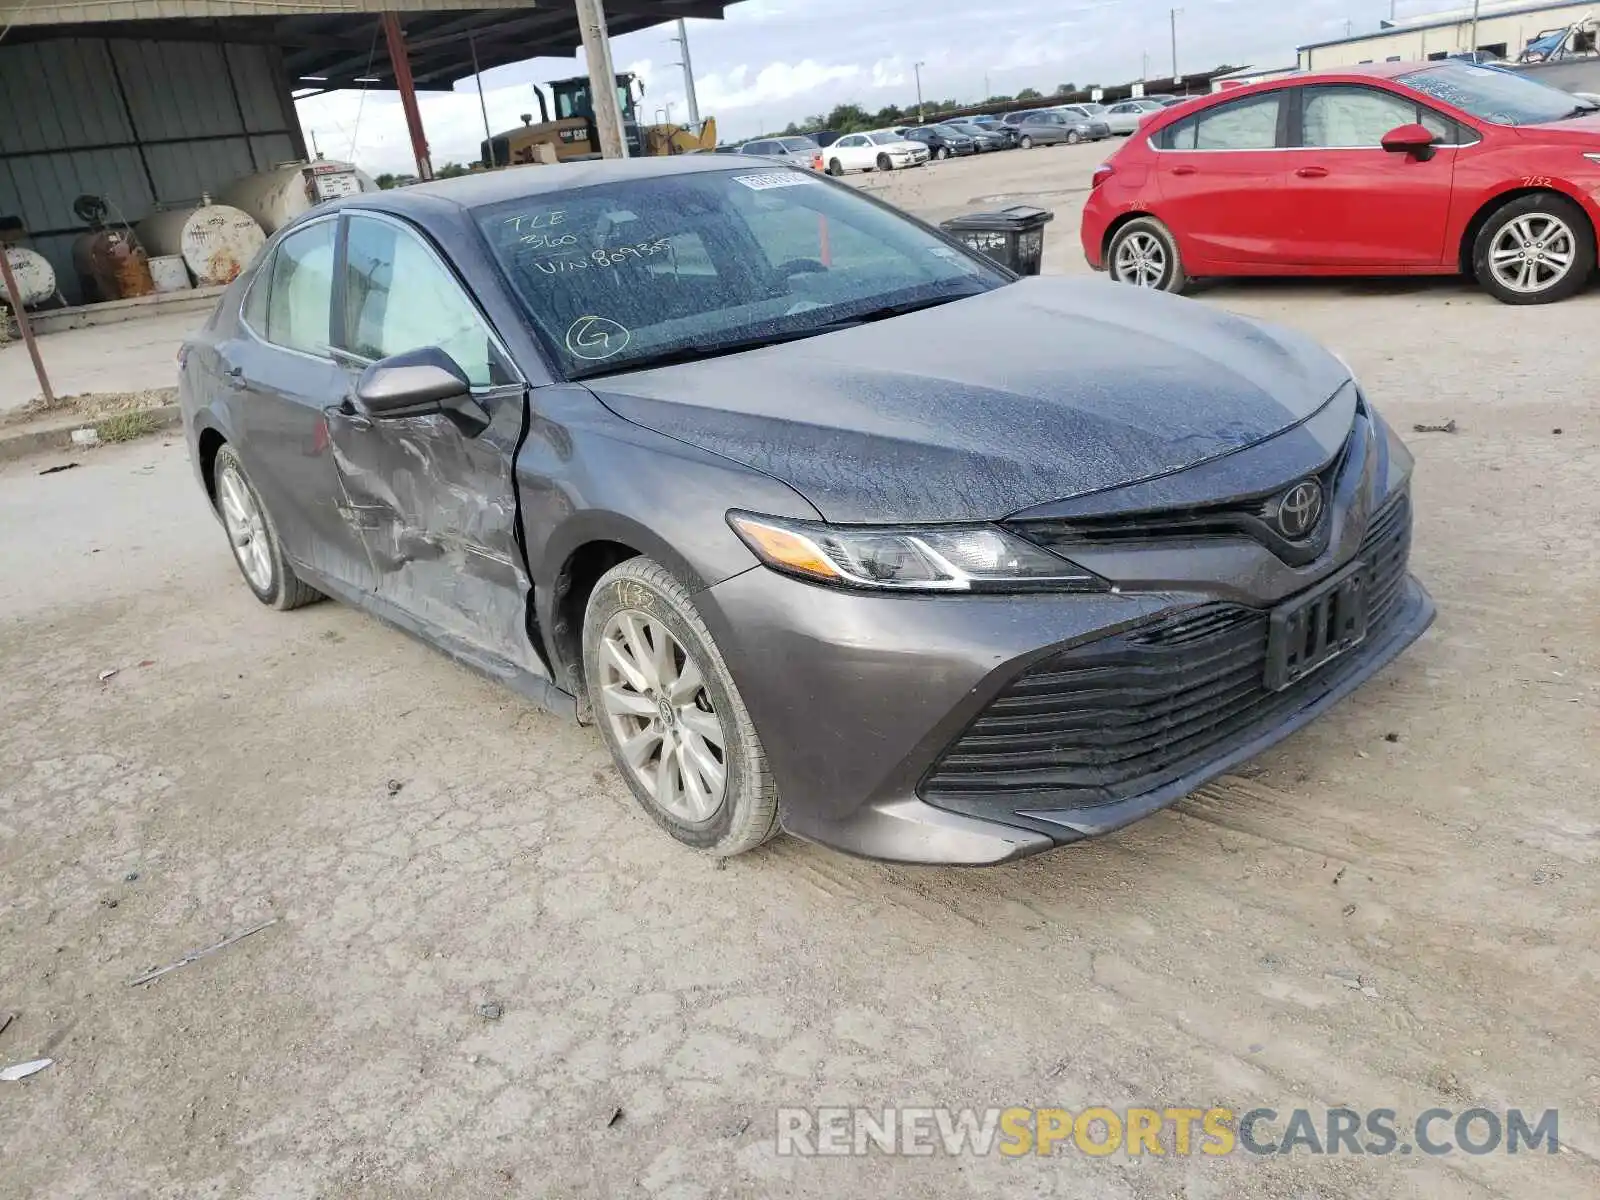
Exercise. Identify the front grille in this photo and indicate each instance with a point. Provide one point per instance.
(1247, 517)
(1125, 714)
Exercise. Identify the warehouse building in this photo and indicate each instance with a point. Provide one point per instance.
(153, 104)
(1504, 28)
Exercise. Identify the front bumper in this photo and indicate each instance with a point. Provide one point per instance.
(860, 699)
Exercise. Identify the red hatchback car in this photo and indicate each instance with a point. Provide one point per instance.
(1399, 168)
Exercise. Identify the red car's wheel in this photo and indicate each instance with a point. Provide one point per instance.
(1144, 253)
(1535, 250)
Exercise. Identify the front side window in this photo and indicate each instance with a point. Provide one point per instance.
(685, 265)
(884, 139)
(1352, 117)
(399, 297)
(1493, 95)
(300, 302)
(797, 145)
(1243, 125)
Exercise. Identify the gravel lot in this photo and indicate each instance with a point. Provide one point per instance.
(430, 845)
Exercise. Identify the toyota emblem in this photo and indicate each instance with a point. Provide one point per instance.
(1300, 509)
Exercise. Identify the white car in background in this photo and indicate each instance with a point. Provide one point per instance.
(1124, 118)
(880, 150)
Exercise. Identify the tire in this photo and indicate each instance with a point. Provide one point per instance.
(1143, 253)
(1072, 137)
(1540, 225)
(941, 154)
(835, 167)
(884, 164)
(260, 557)
(1025, 142)
(643, 592)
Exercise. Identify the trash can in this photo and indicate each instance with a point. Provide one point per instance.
(1012, 237)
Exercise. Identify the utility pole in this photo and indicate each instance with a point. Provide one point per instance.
(1172, 15)
(1474, 46)
(1144, 71)
(400, 62)
(19, 314)
(483, 107)
(688, 74)
(602, 78)
(916, 69)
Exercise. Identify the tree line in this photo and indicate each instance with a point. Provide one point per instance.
(852, 118)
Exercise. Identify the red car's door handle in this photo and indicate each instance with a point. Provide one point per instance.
(1312, 172)
(1184, 170)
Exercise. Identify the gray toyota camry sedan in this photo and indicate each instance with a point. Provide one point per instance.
(703, 450)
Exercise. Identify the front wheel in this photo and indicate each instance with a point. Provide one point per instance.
(1535, 250)
(1025, 142)
(671, 714)
(1073, 138)
(884, 164)
(1144, 253)
(941, 154)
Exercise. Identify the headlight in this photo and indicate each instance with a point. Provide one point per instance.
(924, 558)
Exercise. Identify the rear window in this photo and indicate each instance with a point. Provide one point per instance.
(1250, 124)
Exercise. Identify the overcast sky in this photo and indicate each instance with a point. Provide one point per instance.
(775, 61)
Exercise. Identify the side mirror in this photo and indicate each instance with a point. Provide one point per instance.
(1415, 140)
(413, 384)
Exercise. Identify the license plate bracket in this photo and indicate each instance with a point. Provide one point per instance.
(1316, 627)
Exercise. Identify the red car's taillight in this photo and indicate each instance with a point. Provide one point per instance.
(1101, 173)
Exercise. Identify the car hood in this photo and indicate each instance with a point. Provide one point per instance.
(1077, 387)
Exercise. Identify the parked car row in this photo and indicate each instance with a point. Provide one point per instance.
(913, 145)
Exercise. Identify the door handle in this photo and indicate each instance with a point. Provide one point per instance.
(1312, 172)
(1185, 170)
(235, 378)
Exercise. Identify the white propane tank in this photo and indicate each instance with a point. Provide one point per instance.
(217, 241)
(276, 197)
(36, 278)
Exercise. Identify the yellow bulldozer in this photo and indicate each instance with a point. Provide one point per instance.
(572, 134)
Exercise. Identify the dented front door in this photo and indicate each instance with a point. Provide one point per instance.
(433, 497)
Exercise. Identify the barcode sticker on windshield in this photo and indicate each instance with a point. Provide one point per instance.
(772, 179)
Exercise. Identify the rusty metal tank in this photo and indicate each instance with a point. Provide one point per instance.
(216, 241)
(36, 278)
(276, 197)
(111, 265)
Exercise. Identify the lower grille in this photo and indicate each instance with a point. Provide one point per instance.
(1125, 714)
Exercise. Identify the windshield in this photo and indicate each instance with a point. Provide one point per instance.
(614, 275)
(884, 139)
(1491, 94)
(797, 144)
(1094, 110)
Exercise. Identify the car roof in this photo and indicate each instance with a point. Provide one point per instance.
(1361, 73)
(514, 183)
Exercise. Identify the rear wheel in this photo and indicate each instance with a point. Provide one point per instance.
(884, 164)
(835, 167)
(941, 153)
(671, 714)
(1025, 142)
(1534, 250)
(1073, 137)
(254, 537)
(1144, 254)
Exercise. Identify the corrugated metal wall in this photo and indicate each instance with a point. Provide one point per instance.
(140, 123)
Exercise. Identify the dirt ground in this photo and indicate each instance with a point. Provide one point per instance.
(1395, 908)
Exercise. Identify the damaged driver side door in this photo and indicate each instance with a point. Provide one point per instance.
(432, 496)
